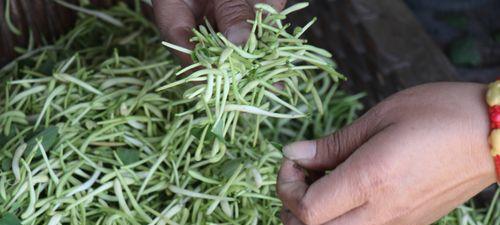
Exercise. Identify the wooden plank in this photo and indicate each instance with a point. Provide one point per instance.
(378, 44)
(396, 33)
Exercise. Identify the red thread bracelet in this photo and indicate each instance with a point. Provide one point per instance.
(493, 100)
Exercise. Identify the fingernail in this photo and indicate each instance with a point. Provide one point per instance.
(180, 36)
(238, 33)
(300, 150)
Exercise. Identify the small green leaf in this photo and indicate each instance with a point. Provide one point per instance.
(9, 219)
(48, 136)
(6, 164)
(228, 168)
(218, 130)
(128, 156)
(3, 139)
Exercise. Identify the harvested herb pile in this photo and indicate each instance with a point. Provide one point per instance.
(98, 129)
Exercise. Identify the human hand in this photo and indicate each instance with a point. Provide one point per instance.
(408, 161)
(177, 18)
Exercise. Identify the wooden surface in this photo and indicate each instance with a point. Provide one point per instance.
(44, 19)
(378, 44)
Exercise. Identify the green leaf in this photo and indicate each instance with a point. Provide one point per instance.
(48, 136)
(228, 168)
(128, 156)
(3, 140)
(9, 219)
(6, 164)
(218, 129)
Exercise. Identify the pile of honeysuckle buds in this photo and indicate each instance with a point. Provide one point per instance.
(99, 129)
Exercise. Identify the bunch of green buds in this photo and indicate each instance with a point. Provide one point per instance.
(98, 129)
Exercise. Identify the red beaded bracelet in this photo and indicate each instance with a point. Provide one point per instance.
(493, 100)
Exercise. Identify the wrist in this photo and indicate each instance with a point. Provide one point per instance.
(493, 101)
(477, 135)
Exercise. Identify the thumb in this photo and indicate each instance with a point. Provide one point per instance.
(328, 152)
(231, 17)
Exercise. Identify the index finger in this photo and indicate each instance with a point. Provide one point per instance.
(175, 21)
(291, 184)
(328, 198)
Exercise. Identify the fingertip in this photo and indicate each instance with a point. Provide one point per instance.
(238, 33)
(291, 184)
(290, 171)
(300, 150)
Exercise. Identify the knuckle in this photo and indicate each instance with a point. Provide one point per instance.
(280, 4)
(379, 110)
(231, 11)
(340, 143)
(334, 145)
(378, 113)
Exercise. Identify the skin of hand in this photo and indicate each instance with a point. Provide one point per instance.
(408, 161)
(177, 18)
